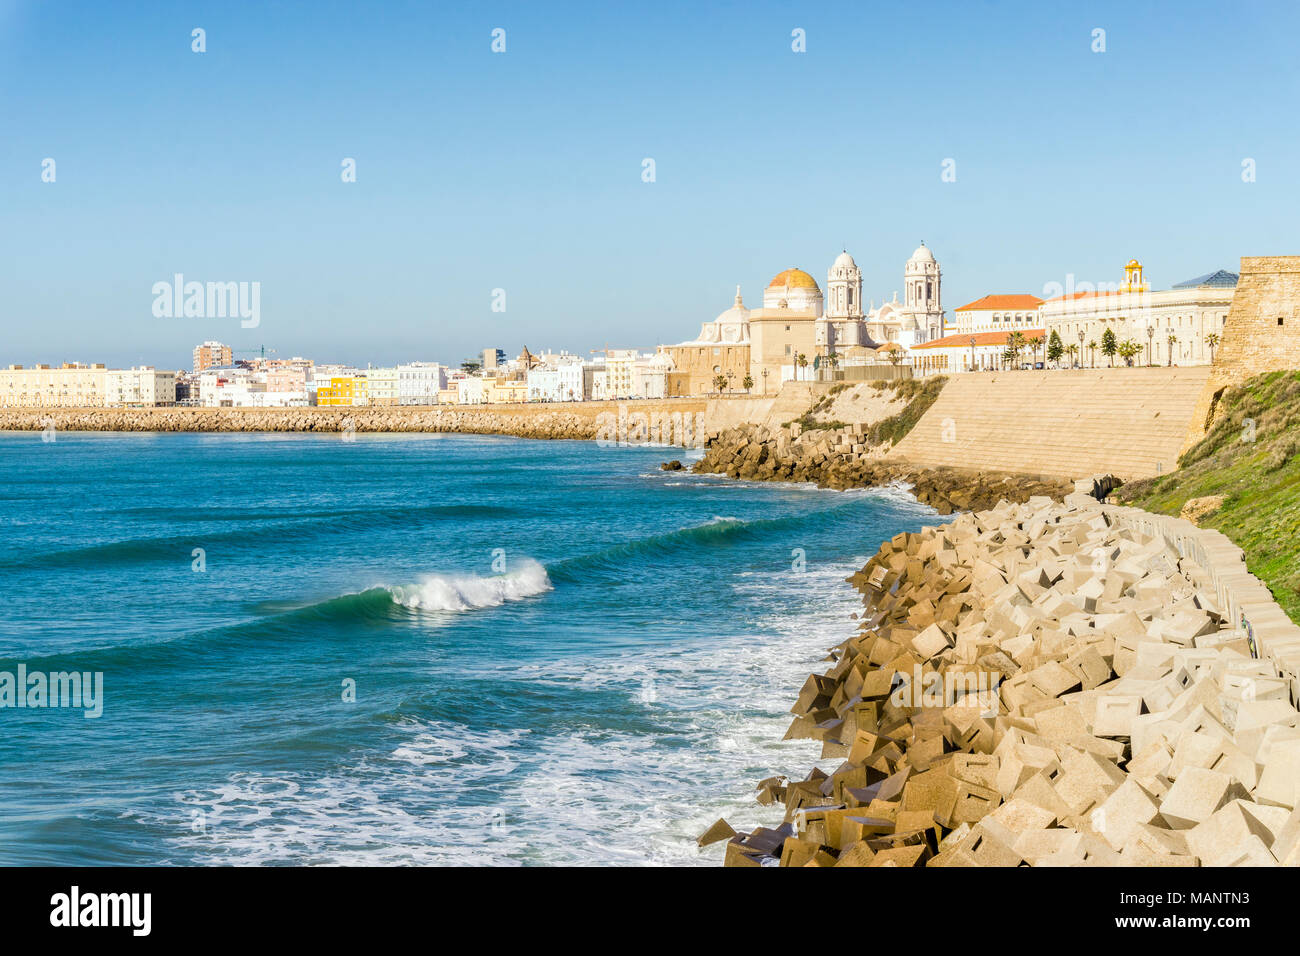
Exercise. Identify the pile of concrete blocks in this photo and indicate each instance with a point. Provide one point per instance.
(1039, 684)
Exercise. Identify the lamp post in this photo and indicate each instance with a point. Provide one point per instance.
(1081, 348)
(972, 353)
(730, 375)
(764, 381)
(1151, 331)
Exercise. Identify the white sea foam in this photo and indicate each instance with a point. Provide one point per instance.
(706, 720)
(455, 592)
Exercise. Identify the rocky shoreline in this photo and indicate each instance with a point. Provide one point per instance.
(840, 459)
(1039, 684)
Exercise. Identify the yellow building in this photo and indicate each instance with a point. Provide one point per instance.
(344, 391)
(72, 385)
(498, 391)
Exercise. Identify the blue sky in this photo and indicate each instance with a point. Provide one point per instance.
(522, 170)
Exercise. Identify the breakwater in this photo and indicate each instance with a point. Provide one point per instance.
(1051, 684)
(669, 421)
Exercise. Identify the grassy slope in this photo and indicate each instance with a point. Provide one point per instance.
(1259, 479)
(919, 394)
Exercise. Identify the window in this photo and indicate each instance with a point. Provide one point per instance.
(1279, 320)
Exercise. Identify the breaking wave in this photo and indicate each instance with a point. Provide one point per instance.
(454, 592)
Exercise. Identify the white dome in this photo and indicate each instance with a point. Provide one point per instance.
(922, 254)
(737, 313)
(844, 260)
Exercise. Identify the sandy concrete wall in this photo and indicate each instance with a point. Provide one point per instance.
(1131, 422)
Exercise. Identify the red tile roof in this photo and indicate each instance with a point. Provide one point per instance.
(962, 340)
(1011, 300)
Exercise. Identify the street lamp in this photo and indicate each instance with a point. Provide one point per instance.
(972, 353)
(1151, 331)
(764, 381)
(1081, 348)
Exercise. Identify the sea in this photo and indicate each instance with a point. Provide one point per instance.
(404, 649)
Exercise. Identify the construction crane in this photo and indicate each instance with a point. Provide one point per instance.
(261, 353)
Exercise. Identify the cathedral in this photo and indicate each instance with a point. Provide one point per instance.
(798, 328)
(918, 318)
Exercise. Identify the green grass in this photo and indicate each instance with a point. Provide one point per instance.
(919, 394)
(1251, 456)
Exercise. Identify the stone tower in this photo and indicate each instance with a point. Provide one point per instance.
(1261, 334)
(922, 298)
(844, 289)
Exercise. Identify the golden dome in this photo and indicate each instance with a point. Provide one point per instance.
(1133, 263)
(793, 278)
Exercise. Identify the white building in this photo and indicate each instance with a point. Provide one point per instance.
(419, 383)
(230, 388)
(1171, 325)
(562, 382)
(1007, 312)
(144, 385)
(470, 390)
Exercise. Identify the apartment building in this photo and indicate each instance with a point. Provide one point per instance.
(71, 385)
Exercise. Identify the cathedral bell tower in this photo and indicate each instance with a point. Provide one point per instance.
(921, 280)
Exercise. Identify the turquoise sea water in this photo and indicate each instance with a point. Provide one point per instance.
(561, 654)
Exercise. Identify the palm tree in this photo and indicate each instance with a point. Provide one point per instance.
(1172, 340)
(1033, 345)
(1072, 350)
(1128, 350)
(719, 383)
(1092, 349)
(1015, 345)
(896, 356)
(1212, 340)
(747, 382)
(801, 361)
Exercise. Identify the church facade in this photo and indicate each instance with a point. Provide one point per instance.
(799, 328)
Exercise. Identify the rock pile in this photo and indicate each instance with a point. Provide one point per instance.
(839, 459)
(1038, 684)
(581, 421)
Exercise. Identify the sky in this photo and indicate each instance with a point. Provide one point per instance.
(523, 170)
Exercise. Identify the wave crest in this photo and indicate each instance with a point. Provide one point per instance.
(455, 592)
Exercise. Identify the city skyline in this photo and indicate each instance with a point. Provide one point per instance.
(227, 166)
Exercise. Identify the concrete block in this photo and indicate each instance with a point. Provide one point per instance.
(1128, 807)
(1279, 783)
(1197, 795)
(1115, 714)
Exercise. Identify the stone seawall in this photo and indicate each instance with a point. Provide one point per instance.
(1129, 422)
(672, 421)
(1051, 684)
